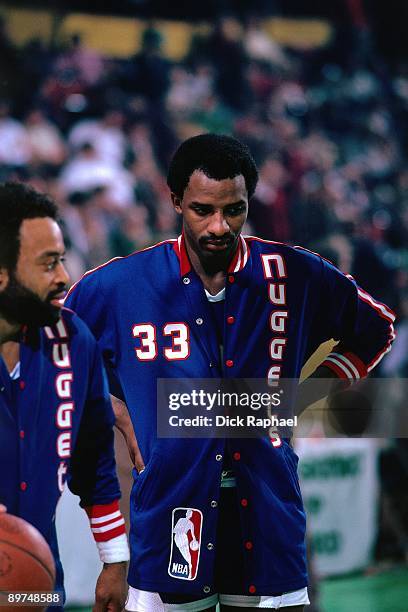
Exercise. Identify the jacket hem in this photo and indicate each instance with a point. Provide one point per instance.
(264, 590)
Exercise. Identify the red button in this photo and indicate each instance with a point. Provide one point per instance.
(22, 384)
(237, 456)
(244, 502)
(23, 486)
(22, 433)
(252, 589)
(230, 320)
(248, 545)
(231, 279)
(229, 363)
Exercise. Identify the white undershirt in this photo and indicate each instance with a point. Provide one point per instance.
(218, 297)
(15, 372)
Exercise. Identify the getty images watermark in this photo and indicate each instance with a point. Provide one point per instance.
(223, 401)
(249, 408)
(222, 408)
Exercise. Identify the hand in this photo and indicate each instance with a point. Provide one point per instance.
(111, 588)
(311, 390)
(124, 424)
(2, 508)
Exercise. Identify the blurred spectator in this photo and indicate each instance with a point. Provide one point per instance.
(87, 171)
(10, 64)
(105, 135)
(261, 47)
(14, 143)
(35, 65)
(46, 143)
(213, 116)
(149, 73)
(270, 210)
(227, 54)
(85, 63)
(188, 90)
(131, 232)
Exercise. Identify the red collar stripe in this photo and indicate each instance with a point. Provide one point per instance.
(237, 264)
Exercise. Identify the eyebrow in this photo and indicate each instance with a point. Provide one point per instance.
(48, 254)
(239, 203)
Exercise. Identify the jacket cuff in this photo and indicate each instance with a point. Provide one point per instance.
(346, 365)
(106, 521)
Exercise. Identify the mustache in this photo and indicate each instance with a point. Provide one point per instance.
(56, 293)
(227, 239)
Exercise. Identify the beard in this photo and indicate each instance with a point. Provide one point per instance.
(219, 260)
(20, 305)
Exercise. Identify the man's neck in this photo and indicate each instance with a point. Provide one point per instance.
(9, 345)
(213, 280)
(10, 351)
(8, 331)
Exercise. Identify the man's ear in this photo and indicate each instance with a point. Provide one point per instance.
(4, 277)
(176, 201)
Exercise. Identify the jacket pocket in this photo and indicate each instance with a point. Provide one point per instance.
(291, 460)
(146, 483)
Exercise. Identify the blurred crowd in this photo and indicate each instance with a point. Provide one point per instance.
(328, 128)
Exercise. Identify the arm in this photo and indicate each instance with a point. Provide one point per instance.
(124, 425)
(363, 326)
(86, 298)
(364, 329)
(92, 476)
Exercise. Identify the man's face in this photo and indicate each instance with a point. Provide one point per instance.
(33, 293)
(213, 215)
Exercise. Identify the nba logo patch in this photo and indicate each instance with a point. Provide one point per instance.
(185, 543)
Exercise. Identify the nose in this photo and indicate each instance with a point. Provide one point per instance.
(218, 225)
(61, 276)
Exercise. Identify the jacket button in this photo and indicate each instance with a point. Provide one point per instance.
(231, 279)
(214, 504)
(199, 321)
(218, 457)
(206, 589)
(249, 545)
(23, 485)
(229, 363)
(210, 545)
(252, 589)
(186, 280)
(230, 320)
(236, 456)
(244, 502)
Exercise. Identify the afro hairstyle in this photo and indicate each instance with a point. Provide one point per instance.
(218, 157)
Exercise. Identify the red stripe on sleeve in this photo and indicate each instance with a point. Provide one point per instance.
(102, 509)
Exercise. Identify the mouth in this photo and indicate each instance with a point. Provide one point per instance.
(217, 245)
(58, 300)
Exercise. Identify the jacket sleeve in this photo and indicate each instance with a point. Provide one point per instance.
(362, 325)
(87, 299)
(92, 469)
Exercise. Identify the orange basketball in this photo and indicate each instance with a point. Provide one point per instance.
(26, 561)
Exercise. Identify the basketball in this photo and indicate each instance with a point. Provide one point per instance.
(26, 561)
(194, 545)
